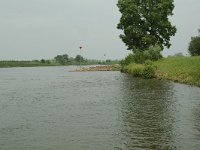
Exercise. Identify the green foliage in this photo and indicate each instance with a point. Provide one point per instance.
(79, 58)
(134, 69)
(128, 60)
(48, 61)
(139, 57)
(62, 59)
(108, 60)
(140, 70)
(149, 70)
(194, 46)
(178, 69)
(152, 54)
(146, 23)
(42, 61)
(57, 61)
(34, 63)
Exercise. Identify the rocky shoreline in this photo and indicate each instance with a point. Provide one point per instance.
(99, 68)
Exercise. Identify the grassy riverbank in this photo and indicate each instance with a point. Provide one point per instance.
(178, 69)
(7, 64)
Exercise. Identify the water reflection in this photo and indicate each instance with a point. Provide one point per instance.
(197, 119)
(148, 114)
(196, 128)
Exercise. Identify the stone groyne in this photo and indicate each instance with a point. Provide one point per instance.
(99, 68)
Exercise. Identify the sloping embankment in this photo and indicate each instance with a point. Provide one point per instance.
(179, 69)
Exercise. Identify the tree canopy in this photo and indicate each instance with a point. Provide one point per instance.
(145, 23)
(194, 45)
(79, 58)
(62, 59)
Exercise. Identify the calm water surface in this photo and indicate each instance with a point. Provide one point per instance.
(50, 108)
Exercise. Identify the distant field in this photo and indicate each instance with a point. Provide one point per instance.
(179, 69)
(6, 64)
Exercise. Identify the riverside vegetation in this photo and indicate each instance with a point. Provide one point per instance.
(178, 69)
(34, 63)
(146, 38)
(59, 60)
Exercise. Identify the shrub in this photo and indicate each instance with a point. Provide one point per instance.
(128, 60)
(153, 54)
(140, 70)
(135, 69)
(148, 72)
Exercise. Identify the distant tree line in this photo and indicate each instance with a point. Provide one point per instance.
(62, 59)
(57, 61)
(66, 60)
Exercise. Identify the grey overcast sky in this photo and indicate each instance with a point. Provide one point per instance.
(35, 29)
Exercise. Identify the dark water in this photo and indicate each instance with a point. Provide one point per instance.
(49, 108)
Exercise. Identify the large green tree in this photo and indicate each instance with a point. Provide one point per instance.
(146, 23)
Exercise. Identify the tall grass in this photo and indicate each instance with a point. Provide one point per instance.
(140, 70)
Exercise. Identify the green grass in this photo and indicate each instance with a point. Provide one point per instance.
(6, 64)
(179, 69)
(134, 69)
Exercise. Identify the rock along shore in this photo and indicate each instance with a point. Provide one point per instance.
(99, 68)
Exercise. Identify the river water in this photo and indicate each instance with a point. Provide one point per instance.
(50, 108)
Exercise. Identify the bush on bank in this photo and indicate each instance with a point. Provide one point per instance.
(146, 70)
(140, 57)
